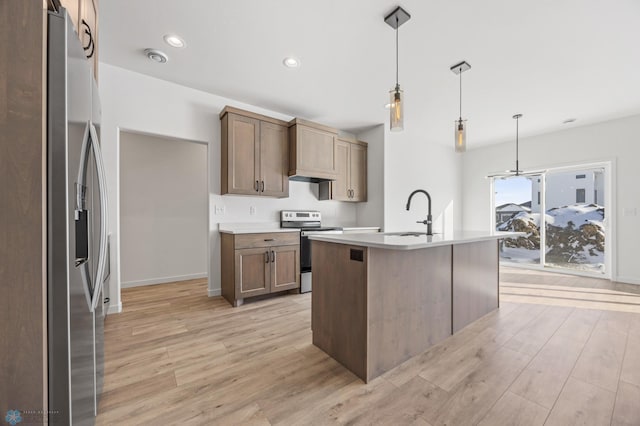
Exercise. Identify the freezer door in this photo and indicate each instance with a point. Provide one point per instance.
(71, 323)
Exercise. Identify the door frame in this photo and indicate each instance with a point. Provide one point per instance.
(116, 227)
(609, 167)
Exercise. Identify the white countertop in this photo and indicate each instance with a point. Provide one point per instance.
(397, 241)
(262, 228)
(360, 228)
(252, 228)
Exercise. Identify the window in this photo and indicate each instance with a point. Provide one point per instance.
(581, 176)
(580, 195)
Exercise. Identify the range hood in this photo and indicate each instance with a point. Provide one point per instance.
(299, 178)
(312, 152)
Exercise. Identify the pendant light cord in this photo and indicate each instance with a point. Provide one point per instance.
(460, 93)
(397, 26)
(517, 146)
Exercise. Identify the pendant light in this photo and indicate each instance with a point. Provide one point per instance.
(460, 126)
(396, 18)
(517, 171)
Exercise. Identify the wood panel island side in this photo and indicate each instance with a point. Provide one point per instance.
(380, 299)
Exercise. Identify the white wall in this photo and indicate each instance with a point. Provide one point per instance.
(163, 209)
(412, 163)
(371, 213)
(617, 140)
(135, 102)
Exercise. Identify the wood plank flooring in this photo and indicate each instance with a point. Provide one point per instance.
(561, 350)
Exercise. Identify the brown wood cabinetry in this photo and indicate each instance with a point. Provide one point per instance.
(351, 181)
(23, 224)
(257, 264)
(84, 14)
(312, 151)
(255, 154)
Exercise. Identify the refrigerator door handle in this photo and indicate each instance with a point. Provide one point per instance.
(104, 228)
(82, 220)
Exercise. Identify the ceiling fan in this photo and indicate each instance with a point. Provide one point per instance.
(517, 171)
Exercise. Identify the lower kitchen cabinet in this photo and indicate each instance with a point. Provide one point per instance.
(257, 264)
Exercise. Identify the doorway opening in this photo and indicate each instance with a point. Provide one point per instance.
(164, 213)
(562, 213)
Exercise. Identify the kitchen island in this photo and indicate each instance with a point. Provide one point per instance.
(380, 299)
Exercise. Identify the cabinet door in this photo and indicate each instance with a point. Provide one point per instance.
(358, 172)
(252, 268)
(315, 152)
(243, 154)
(274, 160)
(285, 268)
(341, 186)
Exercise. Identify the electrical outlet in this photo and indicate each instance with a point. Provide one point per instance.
(629, 211)
(252, 210)
(219, 210)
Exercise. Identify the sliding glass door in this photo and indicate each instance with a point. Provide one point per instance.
(562, 212)
(513, 200)
(575, 232)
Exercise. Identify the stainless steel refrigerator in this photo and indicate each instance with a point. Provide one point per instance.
(77, 229)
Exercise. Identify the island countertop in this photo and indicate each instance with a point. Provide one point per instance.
(412, 240)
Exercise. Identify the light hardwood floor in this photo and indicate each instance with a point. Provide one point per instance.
(561, 350)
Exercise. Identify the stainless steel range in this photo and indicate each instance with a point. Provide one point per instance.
(310, 223)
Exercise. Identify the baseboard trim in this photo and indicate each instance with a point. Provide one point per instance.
(628, 280)
(215, 292)
(114, 309)
(164, 280)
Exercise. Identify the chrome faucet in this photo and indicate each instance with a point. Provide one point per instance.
(428, 221)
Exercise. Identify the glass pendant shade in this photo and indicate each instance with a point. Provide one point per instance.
(460, 135)
(397, 109)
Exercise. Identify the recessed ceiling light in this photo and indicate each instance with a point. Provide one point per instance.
(291, 62)
(174, 41)
(156, 55)
(569, 120)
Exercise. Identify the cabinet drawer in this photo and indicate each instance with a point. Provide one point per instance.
(266, 239)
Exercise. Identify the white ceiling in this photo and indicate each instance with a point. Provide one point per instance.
(548, 59)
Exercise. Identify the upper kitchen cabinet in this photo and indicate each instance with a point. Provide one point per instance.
(312, 151)
(84, 14)
(351, 181)
(255, 154)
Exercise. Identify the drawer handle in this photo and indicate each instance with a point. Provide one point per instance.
(269, 239)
